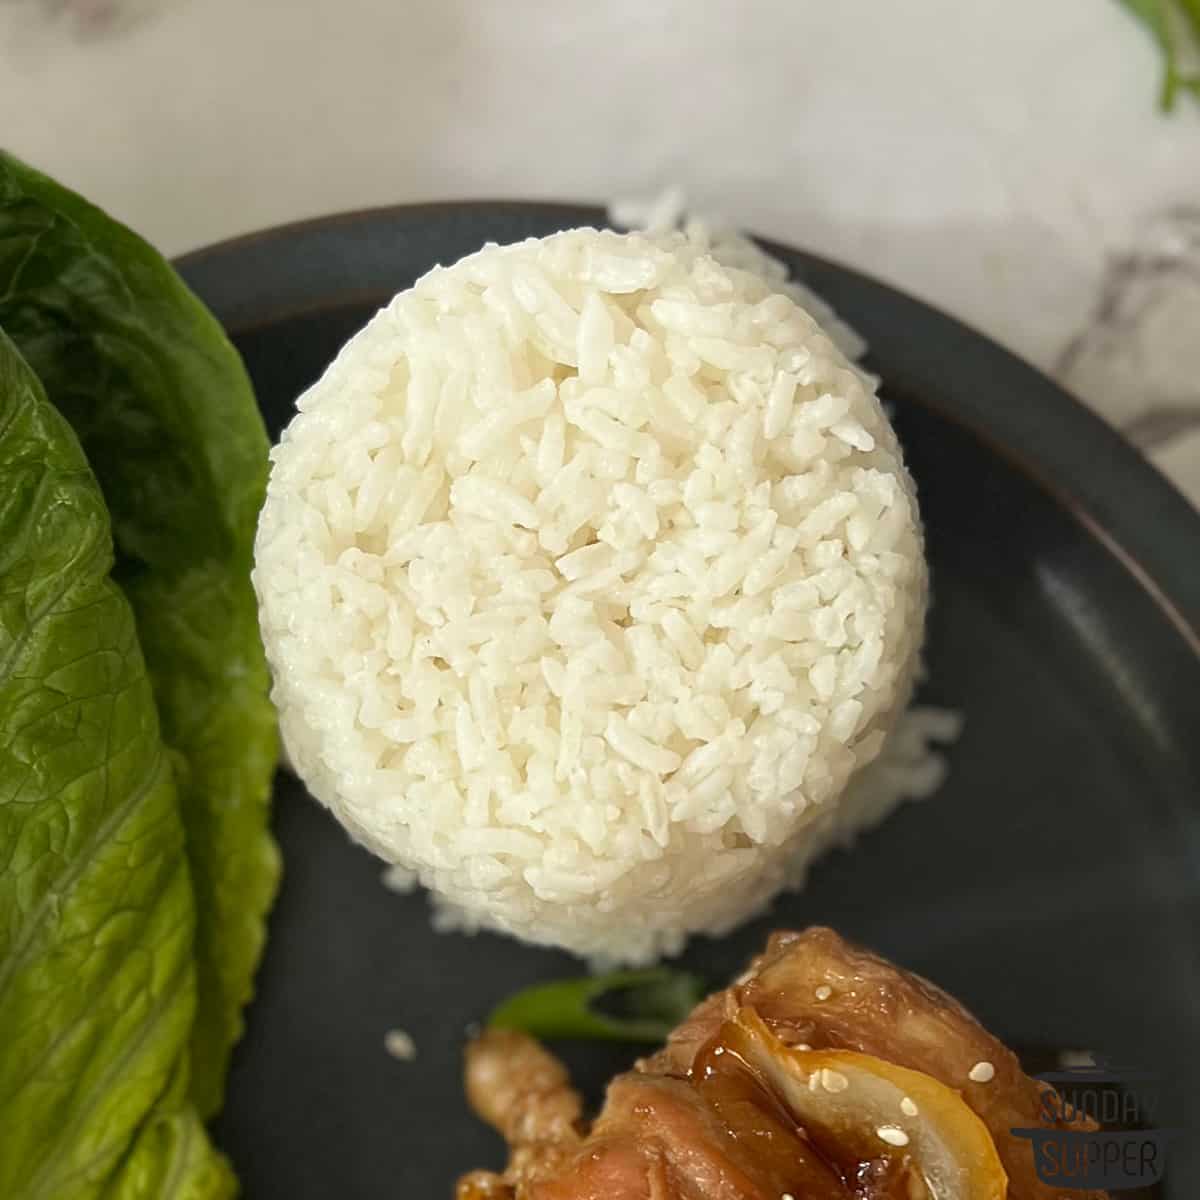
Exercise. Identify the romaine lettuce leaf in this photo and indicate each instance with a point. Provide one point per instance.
(163, 408)
(97, 913)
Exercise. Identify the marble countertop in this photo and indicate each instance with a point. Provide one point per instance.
(1006, 162)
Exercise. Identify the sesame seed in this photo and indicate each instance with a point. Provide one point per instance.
(787, 1196)
(803, 1046)
(814, 1081)
(824, 992)
(833, 1081)
(982, 1072)
(908, 1108)
(893, 1135)
(719, 1050)
(400, 1045)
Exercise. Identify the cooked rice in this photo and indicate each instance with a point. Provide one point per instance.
(589, 574)
(667, 213)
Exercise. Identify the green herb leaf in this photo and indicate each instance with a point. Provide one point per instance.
(162, 405)
(1175, 26)
(652, 1003)
(97, 917)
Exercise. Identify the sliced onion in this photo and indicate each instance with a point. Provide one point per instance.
(833, 1092)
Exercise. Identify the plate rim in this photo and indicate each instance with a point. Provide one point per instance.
(1031, 438)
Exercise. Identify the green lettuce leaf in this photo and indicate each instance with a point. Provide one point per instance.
(97, 914)
(162, 406)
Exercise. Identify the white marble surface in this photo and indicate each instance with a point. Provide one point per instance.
(992, 158)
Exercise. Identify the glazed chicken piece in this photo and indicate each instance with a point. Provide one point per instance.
(521, 1090)
(822, 1072)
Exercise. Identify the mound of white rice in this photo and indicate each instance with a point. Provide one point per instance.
(589, 573)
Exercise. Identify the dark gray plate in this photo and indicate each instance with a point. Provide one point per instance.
(1053, 884)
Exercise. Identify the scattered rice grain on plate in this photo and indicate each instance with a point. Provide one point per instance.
(400, 880)
(400, 1045)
